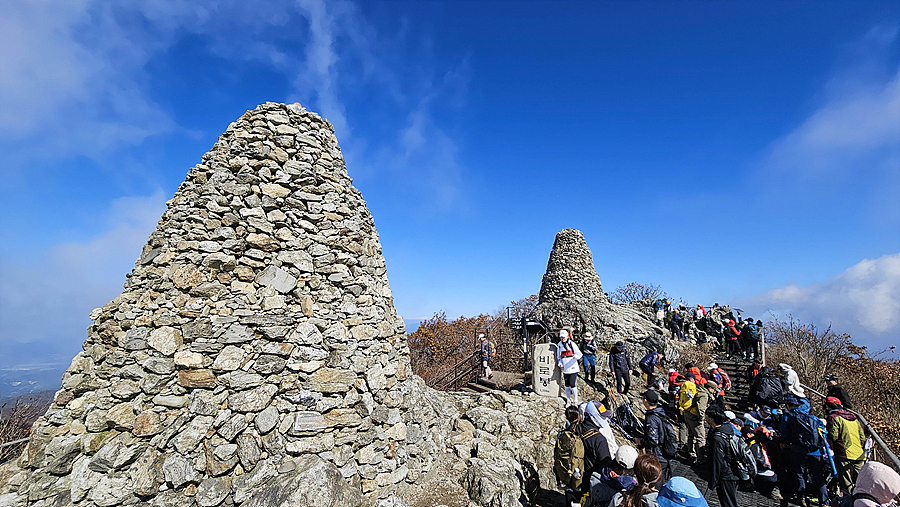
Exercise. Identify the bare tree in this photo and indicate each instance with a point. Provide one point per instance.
(810, 351)
(637, 292)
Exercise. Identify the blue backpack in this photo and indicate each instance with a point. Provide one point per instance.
(805, 428)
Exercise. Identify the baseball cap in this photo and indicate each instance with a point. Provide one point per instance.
(563, 333)
(712, 366)
(834, 401)
(626, 455)
(651, 396)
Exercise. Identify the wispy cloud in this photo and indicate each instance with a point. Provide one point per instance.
(48, 298)
(864, 301)
(852, 137)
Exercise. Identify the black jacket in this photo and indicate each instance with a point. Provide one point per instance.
(721, 459)
(596, 449)
(838, 392)
(654, 432)
(589, 347)
(619, 360)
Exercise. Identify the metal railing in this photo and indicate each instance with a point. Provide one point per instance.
(14, 442)
(869, 428)
(459, 374)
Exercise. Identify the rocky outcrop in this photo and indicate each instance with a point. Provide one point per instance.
(255, 357)
(571, 295)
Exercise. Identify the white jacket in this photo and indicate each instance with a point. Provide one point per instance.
(568, 364)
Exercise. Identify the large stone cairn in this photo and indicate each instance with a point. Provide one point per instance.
(571, 295)
(255, 357)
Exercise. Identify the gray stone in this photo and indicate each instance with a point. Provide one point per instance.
(213, 491)
(111, 490)
(248, 484)
(248, 451)
(314, 483)
(252, 400)
(237, 333)
(241, 380)
(308, 423)
(266, 420)
(189, 437)
(300, 259)
(178, 471)
(170, 400)
(330, 380)
(159, 365)
(277, 278)
(230, 358)
(204, 402)
(235, 425)
(165, 339)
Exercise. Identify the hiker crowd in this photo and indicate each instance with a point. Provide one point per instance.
(778, 448)
(740, 337)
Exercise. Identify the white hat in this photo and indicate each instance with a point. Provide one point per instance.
(481, 335)
(730, 415)
(563, 333)
(712, 366)
(626, 455)
(672, 370)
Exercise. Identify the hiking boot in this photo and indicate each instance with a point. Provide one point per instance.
(776, 494)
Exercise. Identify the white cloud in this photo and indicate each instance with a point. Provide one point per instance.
(864, 301)
(47, 299)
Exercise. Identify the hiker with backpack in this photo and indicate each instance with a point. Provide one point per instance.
(731, 335)
(753, 370)
(750, 334)
(847, 439)
(599, 441)
(618, 477)
(694, 420)
(766, 389)
(835, 390)
(589, 351)
(647, 473)
(620, 366)
(567, 356)
(659, 438)
(716, 397)
(569, 457)
(647, 364)
(802, 437)
(766, 480)
(723, 461)
(487, 353)
(877, 486)
(791, 380)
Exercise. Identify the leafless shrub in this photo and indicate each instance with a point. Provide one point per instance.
(637, 292)
(700, 354)
(812, 352)
(15, 424)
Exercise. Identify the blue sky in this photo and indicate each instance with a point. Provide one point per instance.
(733, 152)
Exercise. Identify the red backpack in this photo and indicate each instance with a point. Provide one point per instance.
(726, 380)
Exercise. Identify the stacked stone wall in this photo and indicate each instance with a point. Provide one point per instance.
(256, 341)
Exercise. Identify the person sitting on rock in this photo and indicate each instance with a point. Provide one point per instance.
(620, 366)
(567, 356)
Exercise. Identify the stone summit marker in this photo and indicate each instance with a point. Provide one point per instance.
(255, 358)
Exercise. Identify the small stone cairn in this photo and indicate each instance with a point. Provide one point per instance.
(572, 295)
(255, 358)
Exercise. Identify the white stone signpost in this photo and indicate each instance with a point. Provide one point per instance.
(546, 376)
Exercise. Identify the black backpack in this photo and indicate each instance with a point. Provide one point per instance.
(767, 390)
(745, 463)
(628, 421)
(668, 440)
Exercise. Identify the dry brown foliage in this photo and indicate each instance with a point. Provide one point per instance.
(872, 383)
(701, 354)
(439, 344)
(637, 292)
(15, 424)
